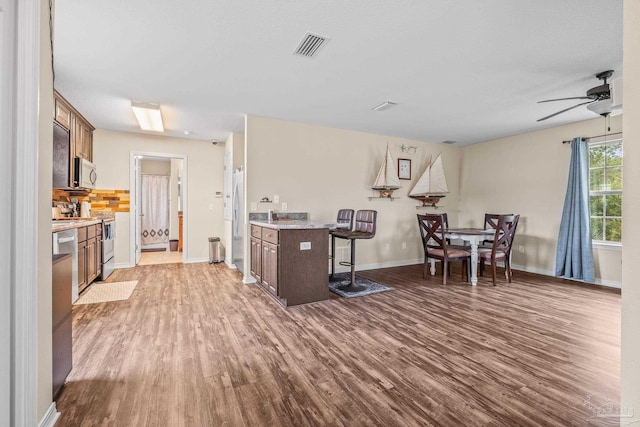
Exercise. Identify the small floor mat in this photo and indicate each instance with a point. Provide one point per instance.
(105, 292)
(153, 250)
(341, 279)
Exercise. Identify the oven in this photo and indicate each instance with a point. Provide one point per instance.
(108, 240)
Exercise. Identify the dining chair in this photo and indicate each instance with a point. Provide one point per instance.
(365, 228)
(490, 223)
(345, 216)
(501, 247)
(434, 243)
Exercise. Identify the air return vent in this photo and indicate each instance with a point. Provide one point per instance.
(310, 45)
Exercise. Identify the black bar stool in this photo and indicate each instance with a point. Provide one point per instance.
(365, 228)
(345, 216)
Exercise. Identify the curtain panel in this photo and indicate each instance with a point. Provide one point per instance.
(574, 257)
(155, 209)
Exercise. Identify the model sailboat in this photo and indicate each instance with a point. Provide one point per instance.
(432, 185)
(387, 180)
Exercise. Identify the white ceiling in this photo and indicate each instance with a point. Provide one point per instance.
(464, 70)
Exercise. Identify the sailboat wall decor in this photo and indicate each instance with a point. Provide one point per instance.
(387, 180)
(432, 185)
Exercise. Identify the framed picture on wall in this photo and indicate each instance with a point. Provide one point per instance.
(404, 168)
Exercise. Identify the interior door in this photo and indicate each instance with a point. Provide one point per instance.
(137, 219)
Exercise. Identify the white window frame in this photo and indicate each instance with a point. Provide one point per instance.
(605, 244)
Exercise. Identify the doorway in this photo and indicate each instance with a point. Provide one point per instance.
(158, 209)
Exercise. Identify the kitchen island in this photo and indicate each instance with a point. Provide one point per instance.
(289, 259)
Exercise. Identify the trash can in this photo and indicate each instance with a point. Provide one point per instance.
(173, 245)
(216, 250)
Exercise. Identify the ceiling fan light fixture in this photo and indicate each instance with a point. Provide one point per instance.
(148, 116)
(602, 107)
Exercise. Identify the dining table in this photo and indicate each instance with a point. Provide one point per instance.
(475, 236)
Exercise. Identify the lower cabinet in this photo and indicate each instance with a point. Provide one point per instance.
(61, 320)
(89, 255)
(291, 264)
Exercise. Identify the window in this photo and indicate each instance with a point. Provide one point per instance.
(605, 191)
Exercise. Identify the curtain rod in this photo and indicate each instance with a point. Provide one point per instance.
(597, 136)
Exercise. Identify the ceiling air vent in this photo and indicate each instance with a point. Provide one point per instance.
(310, 45)
(448, 141)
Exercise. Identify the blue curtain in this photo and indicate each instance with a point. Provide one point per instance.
(574, 258)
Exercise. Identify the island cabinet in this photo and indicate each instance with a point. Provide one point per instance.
(291, 264)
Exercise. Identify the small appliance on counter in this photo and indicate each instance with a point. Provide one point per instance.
(85, 210)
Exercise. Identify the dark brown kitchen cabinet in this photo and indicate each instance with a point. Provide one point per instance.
(291, 264)
(256, 258)
(80, 130)
(61, 287)
(270, 267)
(82, 258)
(89, 254)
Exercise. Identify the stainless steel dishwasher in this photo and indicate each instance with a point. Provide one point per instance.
(66, 242)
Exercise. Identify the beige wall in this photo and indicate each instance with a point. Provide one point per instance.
(111, 154)
(631, 211)
(531, 180)
(319, 170)
(45, 161)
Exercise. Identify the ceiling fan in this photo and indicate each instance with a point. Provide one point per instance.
(594, 95)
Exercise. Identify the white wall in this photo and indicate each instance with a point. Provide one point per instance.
(111, 152)
(527, 174)
(320, 170)
(630, 363)
(45, 183)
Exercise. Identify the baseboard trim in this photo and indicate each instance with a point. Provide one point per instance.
(196, 260)
(599, 282)
(122, 265)
(50, 417)
(231, 266)
(248, 280)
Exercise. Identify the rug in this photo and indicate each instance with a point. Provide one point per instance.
(153, 250)
(340, 279)
(105, 292)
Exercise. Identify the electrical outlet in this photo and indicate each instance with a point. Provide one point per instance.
(404, 245)
(276, 198)
(284, 206)
(521, 249)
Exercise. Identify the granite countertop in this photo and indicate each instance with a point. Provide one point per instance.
(69, 223)
(296, 224)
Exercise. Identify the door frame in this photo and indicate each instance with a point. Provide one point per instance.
(134, 180)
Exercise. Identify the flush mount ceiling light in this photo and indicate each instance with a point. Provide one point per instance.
(384, 106)
(148, 116)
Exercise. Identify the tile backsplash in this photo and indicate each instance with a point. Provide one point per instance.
(101, 200)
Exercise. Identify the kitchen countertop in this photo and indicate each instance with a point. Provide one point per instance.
(297, 224)
(69, 223)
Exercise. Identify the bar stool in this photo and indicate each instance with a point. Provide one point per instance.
(365, 228)
(345, 216)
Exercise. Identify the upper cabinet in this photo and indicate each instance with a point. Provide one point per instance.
(80, 130)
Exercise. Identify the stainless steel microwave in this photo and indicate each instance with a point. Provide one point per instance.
(84, 173)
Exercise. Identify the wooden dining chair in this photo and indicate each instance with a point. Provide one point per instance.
(434, 242)
(500, 250)
(490, 223)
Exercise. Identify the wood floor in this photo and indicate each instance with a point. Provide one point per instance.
(193, 346)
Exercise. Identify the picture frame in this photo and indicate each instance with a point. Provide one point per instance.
(404, 169)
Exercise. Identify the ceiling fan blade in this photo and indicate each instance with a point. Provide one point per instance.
(565, 99)
(566, 109)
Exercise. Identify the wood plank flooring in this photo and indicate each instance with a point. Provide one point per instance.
(193, 346)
